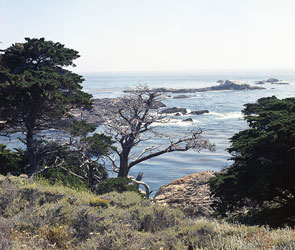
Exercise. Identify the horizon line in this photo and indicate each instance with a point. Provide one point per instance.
(204, 71)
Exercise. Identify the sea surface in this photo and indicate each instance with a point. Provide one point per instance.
(219, 125)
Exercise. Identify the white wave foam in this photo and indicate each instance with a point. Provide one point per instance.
(176, 122)
(229, 115)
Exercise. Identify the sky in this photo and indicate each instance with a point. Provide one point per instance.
(159, 35)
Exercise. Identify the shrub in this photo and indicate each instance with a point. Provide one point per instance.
(120, 184)
(56, 217)
(56, 235)
(97, 202)
(156, 218)
(198, 235)
(126, 200)
(5, 229)
(13, 162)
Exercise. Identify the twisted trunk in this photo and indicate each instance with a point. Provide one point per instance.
(124, 166)
(31, 149)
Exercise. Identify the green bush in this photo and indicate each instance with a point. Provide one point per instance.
(120, 184)
(13, 162)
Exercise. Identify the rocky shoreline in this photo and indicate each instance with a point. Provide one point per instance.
(92, 116)
(190, 193)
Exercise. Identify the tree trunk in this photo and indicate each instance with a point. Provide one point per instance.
(31, 148)
(90, 178)
(124, 166)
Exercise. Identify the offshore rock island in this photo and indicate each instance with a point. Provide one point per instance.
(223, 85)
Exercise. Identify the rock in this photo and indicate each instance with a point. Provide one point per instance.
(187, 120)
(229, 82)
(199, 112)
(158, 104)
(190, 193)
(181, 97)
(260, 82)
(272, 80)
(223, 85)
(178, 114)
(280, 83)
(174, 110)
(233, 85)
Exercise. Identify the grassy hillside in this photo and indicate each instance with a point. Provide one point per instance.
(35, 215)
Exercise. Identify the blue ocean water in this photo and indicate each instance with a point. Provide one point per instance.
(224, 120)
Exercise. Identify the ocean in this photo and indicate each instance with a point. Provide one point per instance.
(219, 125)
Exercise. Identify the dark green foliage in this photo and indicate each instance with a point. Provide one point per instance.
(80, 128)
(270, 213)
(49, 152)
(36, 90)
(12, 162)
(36, 84)
(264, 158)
(119, 184)
(97, 145)
(75, 164)
(72, 165)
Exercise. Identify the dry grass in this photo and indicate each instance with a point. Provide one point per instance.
(35, 215)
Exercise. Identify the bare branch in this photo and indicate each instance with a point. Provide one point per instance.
(114, 165)
(131, 120)
(184, 144)
(59, 165)
(149, 149)
(146, 186)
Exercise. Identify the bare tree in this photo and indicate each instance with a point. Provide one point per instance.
(131, 120)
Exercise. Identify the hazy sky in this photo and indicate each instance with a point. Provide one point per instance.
(159, 35)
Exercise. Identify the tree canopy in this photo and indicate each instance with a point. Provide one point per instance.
(36, 90)
(263, 155)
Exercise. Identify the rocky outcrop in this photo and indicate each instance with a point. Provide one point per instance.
(233, 85)
(190, 193)
(223, 85)
(181, 97)
(183, 111)
(272, 80)
(199, 112)
(174, 110)
(260, 82)
(187, 120)
(280, 83)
